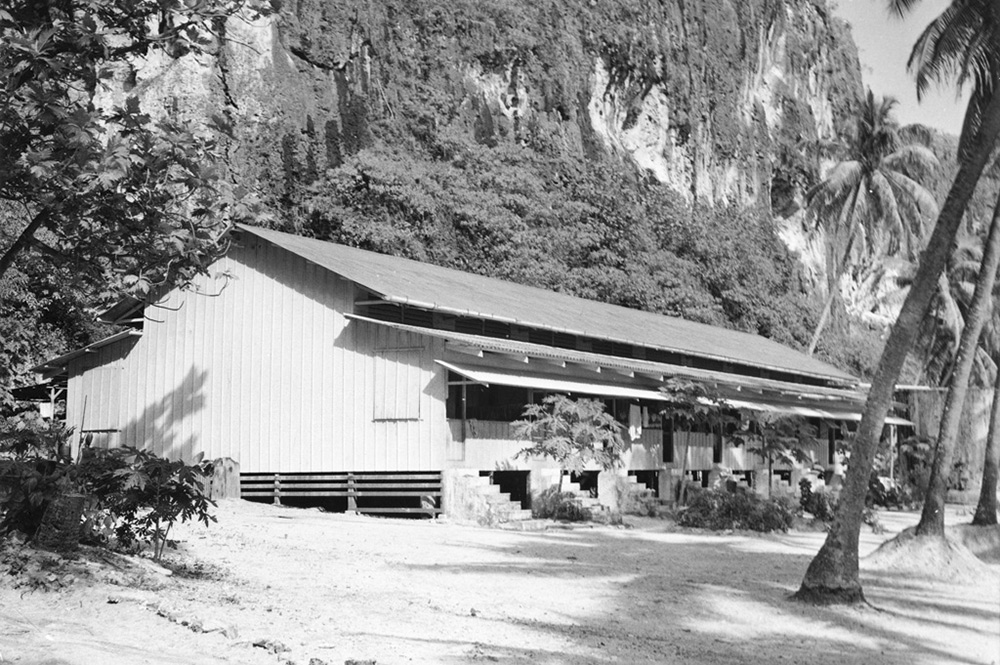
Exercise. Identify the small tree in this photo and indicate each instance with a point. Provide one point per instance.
(572, 432)
(778, 438)
(698, 406)
(149, 494)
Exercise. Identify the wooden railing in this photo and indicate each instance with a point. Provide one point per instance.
(396, 489)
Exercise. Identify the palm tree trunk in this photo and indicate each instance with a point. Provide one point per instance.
(835, 283)
(932, 518)
(986, 509)
(832, 576)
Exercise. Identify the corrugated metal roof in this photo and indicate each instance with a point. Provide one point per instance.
(468, 342)
(433, 287)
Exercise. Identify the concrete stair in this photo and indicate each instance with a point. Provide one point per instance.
(574, 488)
(588, 507)
(638, 488)
(500, 509)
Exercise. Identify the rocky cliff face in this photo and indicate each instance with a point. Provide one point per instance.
(713, 98)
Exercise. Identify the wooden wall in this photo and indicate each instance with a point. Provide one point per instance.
(257, 362)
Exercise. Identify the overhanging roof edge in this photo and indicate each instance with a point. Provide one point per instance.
(64, 359)
(403, 300)
(551, 383)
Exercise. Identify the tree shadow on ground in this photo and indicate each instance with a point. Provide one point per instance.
(490, 651)
(683, 597)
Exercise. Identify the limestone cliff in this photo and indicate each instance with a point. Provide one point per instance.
(714, 98)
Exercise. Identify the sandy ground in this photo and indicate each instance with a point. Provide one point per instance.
(272, 585)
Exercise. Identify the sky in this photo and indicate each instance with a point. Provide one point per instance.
(884, 43)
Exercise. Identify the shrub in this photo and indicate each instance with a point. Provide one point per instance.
(720, 510)
(820, 504)
(32, 474)
(553, 504)
(134, 495)
(632, 501)
(823, 506)
(885, 493)
(146, 495)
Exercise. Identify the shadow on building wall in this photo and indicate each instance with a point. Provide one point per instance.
(171, 427)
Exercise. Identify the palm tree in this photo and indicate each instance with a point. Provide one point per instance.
(971, 43)
(942, 330)
(932, 518)
(874, 195)
(962, 43)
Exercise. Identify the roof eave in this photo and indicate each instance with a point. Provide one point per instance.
(845, 379)
(63, 361)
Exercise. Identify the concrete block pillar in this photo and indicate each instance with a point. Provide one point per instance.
(609, 486)
(667, 482)
(458, 498)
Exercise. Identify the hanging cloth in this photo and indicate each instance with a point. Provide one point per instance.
(634, 422)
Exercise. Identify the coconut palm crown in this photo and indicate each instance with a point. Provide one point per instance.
(872, 203)
(962, 45)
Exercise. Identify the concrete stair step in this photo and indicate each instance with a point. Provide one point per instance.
(526, 525)
(488, 489)
(518, 514)
(498, 498)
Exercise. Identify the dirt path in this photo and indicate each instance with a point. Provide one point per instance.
(334, 587)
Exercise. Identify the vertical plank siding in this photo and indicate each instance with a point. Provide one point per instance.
(256, 361)
(101, 372)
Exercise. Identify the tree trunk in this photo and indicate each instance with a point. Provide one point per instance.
(682, 488)
(832, 576)
(986, 510)
(932, 518)
(823, 318)
(23, 240)
(835, 284)
(770, 476)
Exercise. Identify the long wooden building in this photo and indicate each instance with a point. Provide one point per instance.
(305, 359)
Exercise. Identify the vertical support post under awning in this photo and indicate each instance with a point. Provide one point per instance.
(464, 408)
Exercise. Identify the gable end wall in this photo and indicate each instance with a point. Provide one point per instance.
(257, 362)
